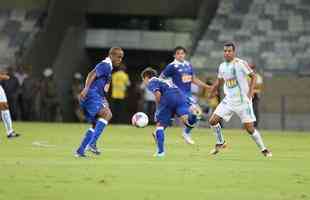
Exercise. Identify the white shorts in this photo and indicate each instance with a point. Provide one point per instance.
(2, 95)
(244, 111)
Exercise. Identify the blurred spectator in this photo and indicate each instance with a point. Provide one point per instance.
(208, 103)
(149, 104)
(49, 97)
(77, 87)
(21, 75)
(120, 83)
(29, 92)
(11, 88)
(257, 94)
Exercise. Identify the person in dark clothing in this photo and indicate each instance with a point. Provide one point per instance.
(11, 88)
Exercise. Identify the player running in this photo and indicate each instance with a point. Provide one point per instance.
(182, 74)
(170, 101)
(93, 100)
(5, 112)
(233, 74)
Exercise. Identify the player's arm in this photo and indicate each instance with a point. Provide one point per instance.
(252, 83)
(4, 77)
(157, 95)
(200, 83)
(91, 76)
(216, 85)
(167, 72)
(248, 71)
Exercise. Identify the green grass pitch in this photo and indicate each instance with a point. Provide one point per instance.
(40, 165)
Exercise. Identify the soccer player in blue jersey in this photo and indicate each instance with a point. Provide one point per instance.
(170, 101)
(93, 100)
(182, 74)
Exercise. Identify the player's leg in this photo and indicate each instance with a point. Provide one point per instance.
(104, 116)
(6, 115)
(85, 141)
(159, 136)
(193, 118)
(91, 106)
(162, 117)
(248, 118)
(222, 111)
(90, 116)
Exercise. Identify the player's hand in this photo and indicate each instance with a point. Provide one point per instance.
(212, 95)
(251, 94)
(83, 94)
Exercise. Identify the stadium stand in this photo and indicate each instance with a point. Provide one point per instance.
(17, 29)
(274, 34)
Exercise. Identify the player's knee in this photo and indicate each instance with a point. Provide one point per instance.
(107, 115)
(249, 128)
(184, 119)
(213, 121)
(4, 106)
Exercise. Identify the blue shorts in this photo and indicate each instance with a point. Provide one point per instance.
(92, 105)
(169, 107)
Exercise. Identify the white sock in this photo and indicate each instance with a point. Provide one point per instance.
(6, 118)
(218, 134)
(258, 140)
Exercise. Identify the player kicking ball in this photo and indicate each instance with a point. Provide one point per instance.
(233, 74)
(170, 101)
(182, 74)
(94, 103)
(5, 112)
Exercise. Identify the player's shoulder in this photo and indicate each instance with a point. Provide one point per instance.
(222, 65)
(241, 62)
(154, 80)
(154, 83)
(174, 64)
(105, 63)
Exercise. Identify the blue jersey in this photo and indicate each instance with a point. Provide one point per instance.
(172, 101)
(165, 87)
(181, 74)
(103, 77)
(95, 99)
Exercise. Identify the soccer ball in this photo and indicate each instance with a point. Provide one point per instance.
(140, 120)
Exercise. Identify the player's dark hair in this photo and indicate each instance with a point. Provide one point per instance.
(148, 72)
(230, 44)
(178, 48)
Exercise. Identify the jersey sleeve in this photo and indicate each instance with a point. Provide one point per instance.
(153, 86)
(245, 68)
(102, 69)
(168, 71)
(220, 73)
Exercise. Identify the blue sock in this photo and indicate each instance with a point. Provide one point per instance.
(100, 125)
(187, 130)
(86, 140)
(160, 139)
(192, 120)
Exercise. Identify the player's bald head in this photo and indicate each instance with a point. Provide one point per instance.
(116, 51)
(116, 55)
